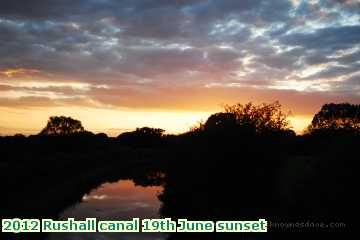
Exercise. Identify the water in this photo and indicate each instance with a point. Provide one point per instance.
(121, 200)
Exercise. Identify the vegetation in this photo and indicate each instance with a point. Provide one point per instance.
(264, 117)
(248, 119)
(62, 126)
(144, 136)
(344, 116)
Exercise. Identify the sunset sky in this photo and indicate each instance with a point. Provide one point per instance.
(117, 65)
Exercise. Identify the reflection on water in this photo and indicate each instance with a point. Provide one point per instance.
(115, 201)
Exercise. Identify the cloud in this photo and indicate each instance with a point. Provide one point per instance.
(333, 37)
(16, 72)
(95, 197)
(177, 54)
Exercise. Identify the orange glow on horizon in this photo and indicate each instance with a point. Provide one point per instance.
(14, 72)
(112, 121)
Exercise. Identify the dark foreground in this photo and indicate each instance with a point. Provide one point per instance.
(209, 176)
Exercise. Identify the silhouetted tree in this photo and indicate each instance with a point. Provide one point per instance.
(260, 117)
(343, 116)
(220, 122)
(144, 136)
(19, 135)
(147, 131)
(198, 127)
(102, 136)
(61, 125)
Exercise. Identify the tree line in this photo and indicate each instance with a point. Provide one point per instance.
(263, 118)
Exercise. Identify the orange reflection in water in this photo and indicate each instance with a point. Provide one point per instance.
(120, 200)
